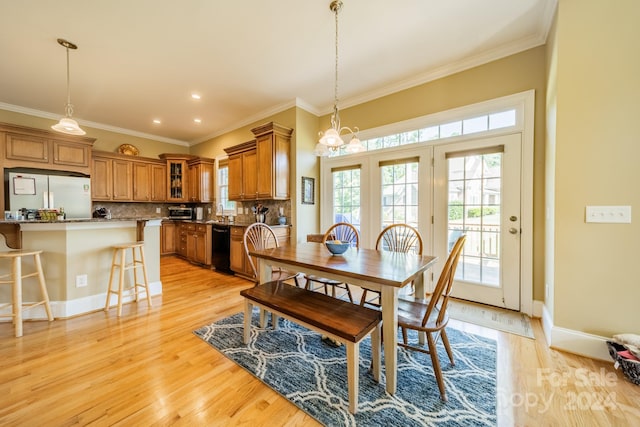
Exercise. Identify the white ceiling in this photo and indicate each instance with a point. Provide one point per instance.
(141, 59)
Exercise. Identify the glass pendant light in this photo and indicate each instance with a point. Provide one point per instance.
(67, 124)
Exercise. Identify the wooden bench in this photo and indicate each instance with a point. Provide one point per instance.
(340, 320)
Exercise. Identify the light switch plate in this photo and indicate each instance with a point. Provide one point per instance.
(608, 214)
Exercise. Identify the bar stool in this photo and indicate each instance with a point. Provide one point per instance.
(119, 261)
(16, 286)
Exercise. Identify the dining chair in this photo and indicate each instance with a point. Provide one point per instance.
(260, 236)
(430, 316)
(394, 238)
(344, 232)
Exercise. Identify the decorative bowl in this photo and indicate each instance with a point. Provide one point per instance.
(337, 248)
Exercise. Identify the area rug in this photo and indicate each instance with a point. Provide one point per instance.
(491, 317)
(296, 363)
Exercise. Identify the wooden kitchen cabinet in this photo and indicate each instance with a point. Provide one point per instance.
(259, 169)
(122, 178)
(194, 242)
(149, 182)
(110, 179)
(177, 176)
(101, 181)
(122, 175)
(200, 180)
(168, 238)
(238, 260)
(43, 149)
(141, 182)
(158, 183)
(243, 176)
(273, 144)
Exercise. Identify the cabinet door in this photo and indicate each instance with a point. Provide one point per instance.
(236, 250)
(141, 182)
(122, 180)
(101, 180)
(29, 148)
(203, 244)
(177, 181)
(235, 177)
(250, 175)
(205, 174)
(168, 240)
(70, 154)
(265, 159)
(158, 183)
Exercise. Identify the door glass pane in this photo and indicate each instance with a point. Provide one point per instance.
(475, 183)
(346, 196)
(399, 193)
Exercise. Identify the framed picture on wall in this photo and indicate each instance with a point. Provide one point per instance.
(308, 185)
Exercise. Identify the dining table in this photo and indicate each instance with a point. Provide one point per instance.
(383, 271)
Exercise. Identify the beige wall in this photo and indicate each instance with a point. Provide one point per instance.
(516, 73)
(596, 152)
(305, 164)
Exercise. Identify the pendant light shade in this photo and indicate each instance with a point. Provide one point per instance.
(67, 124)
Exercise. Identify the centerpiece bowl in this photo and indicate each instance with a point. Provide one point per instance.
(336, 247)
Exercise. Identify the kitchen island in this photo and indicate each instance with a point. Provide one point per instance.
(77, 258)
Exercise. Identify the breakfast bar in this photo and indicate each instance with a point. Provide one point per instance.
(77, 256)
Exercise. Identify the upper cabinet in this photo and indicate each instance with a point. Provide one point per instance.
(200, 180)
(122, 178)
(259, 169)
(43, 149)
(243, 176)
(177, 176)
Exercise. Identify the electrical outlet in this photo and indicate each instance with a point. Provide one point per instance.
(81, 281)
(209, 211)
(158, 210)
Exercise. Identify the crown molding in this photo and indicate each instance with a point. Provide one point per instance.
(446, 70)
(86, 123)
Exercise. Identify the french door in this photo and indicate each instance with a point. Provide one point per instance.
(477, 192)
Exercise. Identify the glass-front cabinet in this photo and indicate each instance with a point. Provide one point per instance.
(177, 176)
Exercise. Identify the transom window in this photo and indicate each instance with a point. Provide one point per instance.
(450, 129)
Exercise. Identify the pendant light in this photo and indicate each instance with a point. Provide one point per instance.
(67, 124)
(331, 139)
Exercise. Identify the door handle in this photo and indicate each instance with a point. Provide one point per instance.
(513, 230)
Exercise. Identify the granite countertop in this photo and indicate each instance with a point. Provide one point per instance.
(231, 224)
(75, 220)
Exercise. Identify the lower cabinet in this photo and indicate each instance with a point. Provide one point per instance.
(193, 242)
(168, 238)
(238, 260)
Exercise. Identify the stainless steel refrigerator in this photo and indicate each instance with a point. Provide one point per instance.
(40, 191)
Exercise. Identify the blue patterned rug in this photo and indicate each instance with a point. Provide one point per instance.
(312, 375)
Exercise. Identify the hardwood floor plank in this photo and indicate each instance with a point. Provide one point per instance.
(148, 368)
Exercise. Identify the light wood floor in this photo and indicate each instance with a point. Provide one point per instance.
(147, 368)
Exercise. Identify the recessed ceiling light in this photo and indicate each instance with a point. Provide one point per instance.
(157, 121)
(195, 96)
(197, 120)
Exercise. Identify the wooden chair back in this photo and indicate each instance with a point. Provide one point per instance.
(442, 292)
(399, 238)
(344, 232)
(258, 236)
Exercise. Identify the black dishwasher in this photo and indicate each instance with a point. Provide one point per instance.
(220, 247)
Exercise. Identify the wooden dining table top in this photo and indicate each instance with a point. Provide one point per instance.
(382, 267)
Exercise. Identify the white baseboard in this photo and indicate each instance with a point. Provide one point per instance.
(65, 309)
(575, 342)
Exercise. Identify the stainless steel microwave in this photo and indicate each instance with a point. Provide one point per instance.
(180, 212)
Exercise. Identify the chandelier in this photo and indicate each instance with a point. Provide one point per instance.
(67, 124)
(331, 139)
